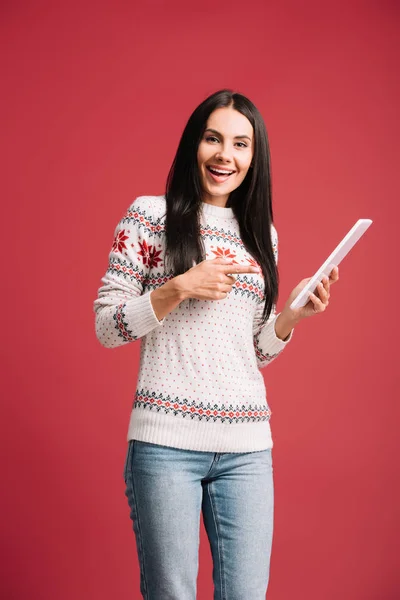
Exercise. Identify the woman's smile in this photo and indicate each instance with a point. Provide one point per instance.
(219, 175)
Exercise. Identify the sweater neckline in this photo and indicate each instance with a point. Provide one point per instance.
(217, 211)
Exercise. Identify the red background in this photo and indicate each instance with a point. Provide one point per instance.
(95, 97)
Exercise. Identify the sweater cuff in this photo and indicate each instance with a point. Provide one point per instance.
(268, 339)
(140, 315)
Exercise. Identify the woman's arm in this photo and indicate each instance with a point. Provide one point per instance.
(274, 335)
(123, 312)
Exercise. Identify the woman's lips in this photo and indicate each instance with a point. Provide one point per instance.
(218, 178)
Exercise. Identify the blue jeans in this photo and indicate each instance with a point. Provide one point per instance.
(168, 487)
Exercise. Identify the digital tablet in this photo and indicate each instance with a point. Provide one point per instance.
(333, 260)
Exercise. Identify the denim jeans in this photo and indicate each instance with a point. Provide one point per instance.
(167, 488)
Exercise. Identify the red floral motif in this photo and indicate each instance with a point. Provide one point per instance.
(154, 256)
(252, 262)
(223, 253)
(145, 252)
(119, 241)
(150, 256)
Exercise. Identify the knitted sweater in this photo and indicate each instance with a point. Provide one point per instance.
(199, 385)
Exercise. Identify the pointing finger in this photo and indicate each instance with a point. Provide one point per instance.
(240, 269)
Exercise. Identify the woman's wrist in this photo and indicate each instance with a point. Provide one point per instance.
(284, 324)
(167, 297)
(177, 284)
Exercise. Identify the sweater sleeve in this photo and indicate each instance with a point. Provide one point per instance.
(267, 345)
(123, 311)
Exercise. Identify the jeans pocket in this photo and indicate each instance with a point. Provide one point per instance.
(128, 456)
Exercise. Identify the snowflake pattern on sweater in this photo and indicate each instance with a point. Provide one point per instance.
(199, 385)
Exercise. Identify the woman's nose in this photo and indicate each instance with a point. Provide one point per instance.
(224, 154)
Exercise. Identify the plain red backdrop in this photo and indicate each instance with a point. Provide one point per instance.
(95, 98)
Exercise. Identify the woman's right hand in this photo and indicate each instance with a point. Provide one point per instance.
(210, 279)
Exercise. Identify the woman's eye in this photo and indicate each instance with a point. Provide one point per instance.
(211, 137)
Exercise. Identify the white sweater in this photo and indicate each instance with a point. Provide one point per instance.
(199, 385)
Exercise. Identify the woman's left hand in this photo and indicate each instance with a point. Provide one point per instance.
(318, 301)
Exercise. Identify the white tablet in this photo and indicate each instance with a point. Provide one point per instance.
(333, 260)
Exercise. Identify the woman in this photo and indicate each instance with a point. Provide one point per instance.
(193, 273)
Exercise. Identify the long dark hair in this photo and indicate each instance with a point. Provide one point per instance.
(251, 202)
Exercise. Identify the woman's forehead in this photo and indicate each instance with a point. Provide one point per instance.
(230, 122)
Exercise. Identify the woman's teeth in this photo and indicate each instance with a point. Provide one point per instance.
(218, 172)
(219, 176)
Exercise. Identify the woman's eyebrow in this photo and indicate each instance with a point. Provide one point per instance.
(220, 134)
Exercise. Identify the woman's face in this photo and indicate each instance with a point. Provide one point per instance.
(227, 145)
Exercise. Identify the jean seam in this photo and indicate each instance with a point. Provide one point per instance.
(219, 543)
(140, 545)
(127, 459)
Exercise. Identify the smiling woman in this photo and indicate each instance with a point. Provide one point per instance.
(193, 274)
